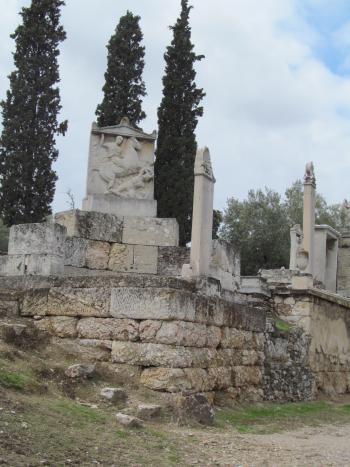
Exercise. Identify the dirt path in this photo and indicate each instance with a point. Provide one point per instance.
(309, 447)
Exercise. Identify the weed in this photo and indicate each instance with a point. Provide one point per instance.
(283, 325)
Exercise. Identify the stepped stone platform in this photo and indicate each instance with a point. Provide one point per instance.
(165, 333)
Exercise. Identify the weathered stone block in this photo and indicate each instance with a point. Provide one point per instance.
(114, 395)
(70, 301)
(194, 407)
(35, 303)
(247, 376)
(234, 338)
(9, 309)
(213, 336)
(148, 411)
(91, 225)
(226, 358)
(60, 326)
(97, 255)
(129, 421)
(150, 231)
(75, 252)
(80, 371)
(180, 333)
(12, 265)
(252, 358)
(220, 378)
(152, 303)
(225, 265)
(211, 311)
(133, 258)
(108, 328)
(83, 253)
(121, 258)
(37, 239)
(149, 329)
(87, 350)
(175, 332)
(171, 259)
(175, 379)
(146, 354)
(36, 265)
(145, 259)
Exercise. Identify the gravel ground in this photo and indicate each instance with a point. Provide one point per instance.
(309, 447)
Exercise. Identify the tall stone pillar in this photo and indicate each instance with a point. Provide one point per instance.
(309, 216)
(202, 218)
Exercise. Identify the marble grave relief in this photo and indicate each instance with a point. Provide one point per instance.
(121, 162)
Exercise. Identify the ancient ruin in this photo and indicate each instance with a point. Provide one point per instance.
(110, 283)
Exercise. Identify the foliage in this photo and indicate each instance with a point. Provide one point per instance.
(124, 88)
(217, 221)
(4, 237)
(27, 144)
(177, 119)
(259, 227)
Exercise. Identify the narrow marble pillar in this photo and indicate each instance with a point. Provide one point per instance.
(202, 218)
(309, 216)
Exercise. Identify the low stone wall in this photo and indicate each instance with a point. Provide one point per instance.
(164, 333)
(325, 317)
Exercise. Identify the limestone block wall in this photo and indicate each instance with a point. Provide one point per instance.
(325, 318)
(161, 332)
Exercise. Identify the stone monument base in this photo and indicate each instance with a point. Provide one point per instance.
(111, 204)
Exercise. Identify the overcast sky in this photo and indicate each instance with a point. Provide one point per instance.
(276, 74)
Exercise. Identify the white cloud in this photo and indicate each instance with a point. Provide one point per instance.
(271, 105)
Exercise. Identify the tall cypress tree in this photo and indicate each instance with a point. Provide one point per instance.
(177, 119)
(27, 144)
(124, 88)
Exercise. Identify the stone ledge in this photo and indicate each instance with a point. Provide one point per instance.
(25, 283)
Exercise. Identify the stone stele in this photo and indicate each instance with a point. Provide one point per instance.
(120, 176)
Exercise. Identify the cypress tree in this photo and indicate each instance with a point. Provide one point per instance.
(177, 119)
(27, 144)
(124, 88)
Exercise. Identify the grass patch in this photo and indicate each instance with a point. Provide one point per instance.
(283, 325)
(122, 434)
(272, 418)
(78, 412)
(17, 381)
